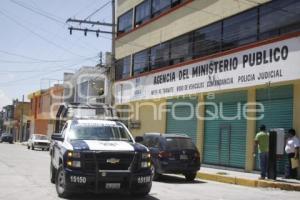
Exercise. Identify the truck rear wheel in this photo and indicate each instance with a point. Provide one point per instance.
(190, 176)
(61, 183)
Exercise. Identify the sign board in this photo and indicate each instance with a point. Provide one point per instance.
(270, 63)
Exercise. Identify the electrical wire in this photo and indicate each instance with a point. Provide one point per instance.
(93, 13)
(38, 35)
(34, 60)
(38, 12)
(64, 68)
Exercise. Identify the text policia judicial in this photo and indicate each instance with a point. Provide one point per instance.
(252, 59)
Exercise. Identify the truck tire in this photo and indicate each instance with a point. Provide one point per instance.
(52, 173)
(142, 192)
(61, 184)
(190, 176)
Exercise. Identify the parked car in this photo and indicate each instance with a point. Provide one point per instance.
(38, 141)
(6, 137)
(173, 154)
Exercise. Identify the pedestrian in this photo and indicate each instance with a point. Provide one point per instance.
(262, 143)
(292, 151)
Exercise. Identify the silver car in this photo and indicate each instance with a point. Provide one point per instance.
(38, 141)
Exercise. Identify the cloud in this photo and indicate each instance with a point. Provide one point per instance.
(4, 100)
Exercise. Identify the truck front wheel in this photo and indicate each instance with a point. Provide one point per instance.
(61, 183)
(142, 192)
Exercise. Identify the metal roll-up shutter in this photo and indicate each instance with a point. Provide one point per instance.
(225, 138)
(278, 112)
(181, 125)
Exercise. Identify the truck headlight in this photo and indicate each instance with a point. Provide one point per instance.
(146, 156)
(145, 164)
(75, 164)
(72, 154)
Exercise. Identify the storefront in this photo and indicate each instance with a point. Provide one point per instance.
(265, 74)
(181, 117)
(225, 130)
(278, 112)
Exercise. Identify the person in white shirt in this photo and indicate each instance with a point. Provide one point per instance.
(292, 150)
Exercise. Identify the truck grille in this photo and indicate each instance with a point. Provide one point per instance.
(110, 161)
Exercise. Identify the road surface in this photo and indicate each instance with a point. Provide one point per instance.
(24, 175)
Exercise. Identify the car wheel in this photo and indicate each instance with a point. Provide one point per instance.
(190, 176)
(61, 183)
(43, 149)
(52, 173)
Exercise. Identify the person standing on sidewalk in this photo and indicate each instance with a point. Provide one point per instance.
(292, 150)
(262, 142)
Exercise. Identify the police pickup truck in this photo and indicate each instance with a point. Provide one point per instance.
(98, 156)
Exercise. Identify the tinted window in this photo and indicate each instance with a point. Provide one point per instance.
(240, 29)
(207, 40)
(179, 143)
(141, 62)
(160, 56)
(159, 6)
(181, 49)
(143, 12)
(286, 13)
(125, 22)
(123, 68)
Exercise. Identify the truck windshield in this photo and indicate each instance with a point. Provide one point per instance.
(83, 132)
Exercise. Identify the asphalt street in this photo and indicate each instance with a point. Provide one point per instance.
(24, 175)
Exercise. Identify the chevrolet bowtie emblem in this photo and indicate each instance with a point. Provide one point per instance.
(113, 160)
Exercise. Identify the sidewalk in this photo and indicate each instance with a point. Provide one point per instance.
(246, 179)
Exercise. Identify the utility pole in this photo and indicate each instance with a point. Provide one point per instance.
(111, 75)
(21, 123)
(113, 54)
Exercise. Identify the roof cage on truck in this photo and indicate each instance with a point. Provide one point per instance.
(83, 111)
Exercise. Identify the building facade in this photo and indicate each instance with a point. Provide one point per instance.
(87, 85)
(213, 69)
(21, 121)
(44, 105)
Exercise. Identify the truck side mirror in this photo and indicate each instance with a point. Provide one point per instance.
(57, 137)
(139, 139)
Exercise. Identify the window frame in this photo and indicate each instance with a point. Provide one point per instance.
(130, 27)
(121, 76)
(147, 62)
(163, 63)
(161, 10)
(145, 19)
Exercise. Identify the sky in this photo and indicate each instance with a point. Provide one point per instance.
(36, 47)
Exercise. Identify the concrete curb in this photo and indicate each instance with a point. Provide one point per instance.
(248, 182)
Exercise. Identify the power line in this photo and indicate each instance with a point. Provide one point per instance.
(93, 13)
(37, 35)
(37, 12)
(35, 60)
(85, 7)
(69, 67)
